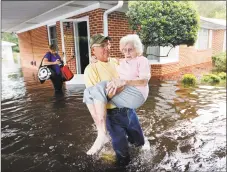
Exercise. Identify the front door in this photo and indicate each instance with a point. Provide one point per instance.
(81, 44)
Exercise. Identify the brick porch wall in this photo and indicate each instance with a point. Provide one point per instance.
(217, 41)
(188, 56)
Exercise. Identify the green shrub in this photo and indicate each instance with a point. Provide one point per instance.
(164, 23)
(222, 75)
(189, 79)
(210, 78)
(219, 62)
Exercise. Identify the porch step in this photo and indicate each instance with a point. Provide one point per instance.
(78, 79)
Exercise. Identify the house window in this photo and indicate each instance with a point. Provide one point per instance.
(203, 39)
(52, 35)
(153, 53)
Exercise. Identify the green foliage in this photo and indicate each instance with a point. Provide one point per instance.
(107, 157)
(210, 78)
(219, 62)
(16, 49)
(211, 9)
(11, 37)
(189, 79)
(222, 75)
(164, 23)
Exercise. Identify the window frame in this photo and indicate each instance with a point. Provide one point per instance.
(49, 34)
(200, 38)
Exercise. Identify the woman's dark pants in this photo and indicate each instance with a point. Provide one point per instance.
(57, 83)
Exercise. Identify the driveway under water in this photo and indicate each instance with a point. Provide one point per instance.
(185, 128)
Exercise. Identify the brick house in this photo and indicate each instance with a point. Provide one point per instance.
(69, 24)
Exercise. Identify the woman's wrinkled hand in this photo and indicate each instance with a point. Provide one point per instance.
(57, 61)
(93, 59)
(114, 87)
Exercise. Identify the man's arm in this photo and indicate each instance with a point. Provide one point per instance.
(117, 85)
(139, 82)
(90, 76)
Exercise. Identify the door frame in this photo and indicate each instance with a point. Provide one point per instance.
(76, 45)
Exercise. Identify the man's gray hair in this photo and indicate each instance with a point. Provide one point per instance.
(133, 39)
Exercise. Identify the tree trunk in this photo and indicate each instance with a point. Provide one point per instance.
(145, 51)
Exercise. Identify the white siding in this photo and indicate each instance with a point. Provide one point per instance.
(224, 43)
(210, 38)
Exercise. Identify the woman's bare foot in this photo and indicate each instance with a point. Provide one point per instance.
(100, 141)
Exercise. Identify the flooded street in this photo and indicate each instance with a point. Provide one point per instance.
(185, 128)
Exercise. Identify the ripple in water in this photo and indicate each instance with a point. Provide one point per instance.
(185, 128)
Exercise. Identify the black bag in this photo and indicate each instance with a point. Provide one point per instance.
(45, 72)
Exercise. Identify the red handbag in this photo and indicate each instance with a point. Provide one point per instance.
(66, 73)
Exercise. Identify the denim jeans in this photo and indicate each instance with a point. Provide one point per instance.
(123, 126)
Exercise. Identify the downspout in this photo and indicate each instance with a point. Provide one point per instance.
(105, 19)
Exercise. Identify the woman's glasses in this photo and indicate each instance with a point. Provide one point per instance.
(129, 50)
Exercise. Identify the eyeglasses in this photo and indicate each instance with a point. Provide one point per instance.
(130, 50)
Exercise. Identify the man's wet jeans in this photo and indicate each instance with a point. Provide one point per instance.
(123, 126)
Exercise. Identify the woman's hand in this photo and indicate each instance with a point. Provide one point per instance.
(93, 59)
(114, 87)
(57, 61)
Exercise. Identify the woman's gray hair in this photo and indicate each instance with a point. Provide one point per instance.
(133, 39)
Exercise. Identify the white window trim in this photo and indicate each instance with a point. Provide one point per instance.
(48, 31)
(197, 41)
(85, 18)
(166, 60)
(210, 38)
(224, 42)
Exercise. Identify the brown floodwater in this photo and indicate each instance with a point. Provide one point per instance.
(185, 128)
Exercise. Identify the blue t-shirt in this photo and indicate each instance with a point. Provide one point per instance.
(52, 58)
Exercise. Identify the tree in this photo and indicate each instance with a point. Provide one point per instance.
(164, 23)
(11, 37)
(211, 9)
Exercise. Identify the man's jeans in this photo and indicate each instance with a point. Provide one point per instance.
(123, 126)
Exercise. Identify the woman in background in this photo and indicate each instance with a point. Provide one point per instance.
(53, 60)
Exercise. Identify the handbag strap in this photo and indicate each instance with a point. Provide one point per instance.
(41, 64)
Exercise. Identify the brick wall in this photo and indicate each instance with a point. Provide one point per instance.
(117, 27)
(33, 45)
(189, 56)
(163, 69)
(217, 41)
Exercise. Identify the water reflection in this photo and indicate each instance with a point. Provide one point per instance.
(45, 132)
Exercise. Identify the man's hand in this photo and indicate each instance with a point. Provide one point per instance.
(115, 86)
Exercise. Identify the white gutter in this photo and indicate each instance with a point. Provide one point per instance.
(62, 41)
(105, 19)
